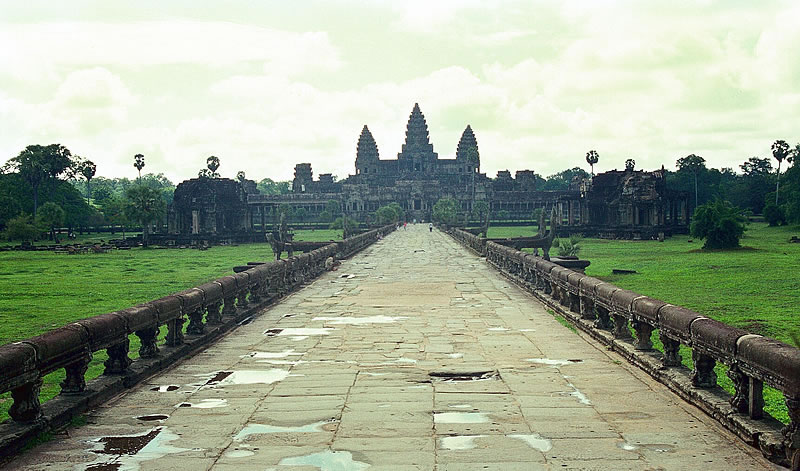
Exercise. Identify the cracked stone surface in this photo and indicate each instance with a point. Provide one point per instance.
(512, 388)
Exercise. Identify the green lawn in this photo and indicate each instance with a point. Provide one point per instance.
(755, 287)
(40, 291)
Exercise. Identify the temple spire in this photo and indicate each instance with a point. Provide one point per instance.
(417, 153)
(367, 149)
(463, 152)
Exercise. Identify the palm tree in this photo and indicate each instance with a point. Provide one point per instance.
(88, 169)
(213, 164)
(692, 163)
(780, 150)
(591, 158)
(138, 162)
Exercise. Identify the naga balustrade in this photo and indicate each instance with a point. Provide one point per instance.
(752, 360)
(23, 364)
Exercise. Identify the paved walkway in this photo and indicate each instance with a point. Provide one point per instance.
(414, 355)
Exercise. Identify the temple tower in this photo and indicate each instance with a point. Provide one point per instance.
(417, 154)
(472, 163)
(366, 153)
(303, 176)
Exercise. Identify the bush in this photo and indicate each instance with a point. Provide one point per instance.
(21, 228)
(446, 211)
(568, 247)
(720, 223)
(774, 214)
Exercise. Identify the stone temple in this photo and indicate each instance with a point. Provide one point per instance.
(616, 204)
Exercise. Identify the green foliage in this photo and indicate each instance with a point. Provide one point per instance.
(145, 206)
(21, 228)
(720, 223)
(562, 180)
(446, 211)
(502, 215)
(569, 247)
(300, 214)
(339, 223)
(9, 208)
(39, 164)
(213, 164)
(268, 186)
(50, 216)
(389, 214)
(774, 214)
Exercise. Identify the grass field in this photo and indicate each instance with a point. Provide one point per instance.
(40, 291)
(755, 287)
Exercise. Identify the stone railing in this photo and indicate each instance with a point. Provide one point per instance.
(624, 320)
(211, 310)
(469, 240)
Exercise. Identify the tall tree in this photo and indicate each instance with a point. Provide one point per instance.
(630, 164)
(693, 164)
(145, 206)
(38, 164)
(88, 169)
(591, 158)
(780, 150)
(138, 162)
(51, 216)
(213, 164)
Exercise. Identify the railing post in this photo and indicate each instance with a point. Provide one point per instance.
(118, 361)
(148, 338)
(26, 406)
(672, 355)
(703, 375)
(75, 380)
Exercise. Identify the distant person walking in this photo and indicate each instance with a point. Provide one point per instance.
(405, 224)
(430, 227)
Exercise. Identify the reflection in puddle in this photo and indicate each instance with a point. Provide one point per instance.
(463, 442)
(262, 355)
(168, 388)
(295, 332)
(360, 320)
(327, 461)
(627, 446)
(239, 454)
(553, 363)
(257, 429)
(460, 418)
(127, 452)
(534, 441)
(205, 404)
(149, 418)
(229, 378)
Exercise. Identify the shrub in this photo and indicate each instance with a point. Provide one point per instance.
(568, 247)
(774, 214)
(21, 228)
(720, 223)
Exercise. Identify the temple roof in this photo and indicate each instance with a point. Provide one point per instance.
(367, 149)
(417, 139)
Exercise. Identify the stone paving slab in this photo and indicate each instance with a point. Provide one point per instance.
(415, 355)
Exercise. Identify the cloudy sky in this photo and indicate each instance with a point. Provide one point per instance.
(267, 84)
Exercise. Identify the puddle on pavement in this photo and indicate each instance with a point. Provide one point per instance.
(455, 355)
(150, 418)
(527, 330)
(168, 388)
(459, 406)
(260, 429)
(460, 442)
(245, 321)
(657, 447)
(448, 376)
(360, 320)
(297, 332)
(327, 461)
(282, 362)
(239, 453)
(128, 451)
(553, 363)
(460, 418)
(253, 377)
(263, 355)
(627, 446)
(497, 329)
(205, 404)
(218, 376)
(534, 441)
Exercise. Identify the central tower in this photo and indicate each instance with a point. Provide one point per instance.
(417, 154)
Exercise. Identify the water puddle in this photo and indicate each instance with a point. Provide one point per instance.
(297, 332)
(128, 451)
(239, 454)
(553, 363)
(327, 461)
(527, 330)
(369, 373)
(460, 418)
(283, 362)
(260, 429)
(535, 441)
(459, 406)
(150, 418)
(450, 376)
(168, 388)
(627, 446)
(455, 355)
(360, 320)
(205, 404)
(461, 442)
(254, 377)
(497, 329)
(263, 355)
(218, 376)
